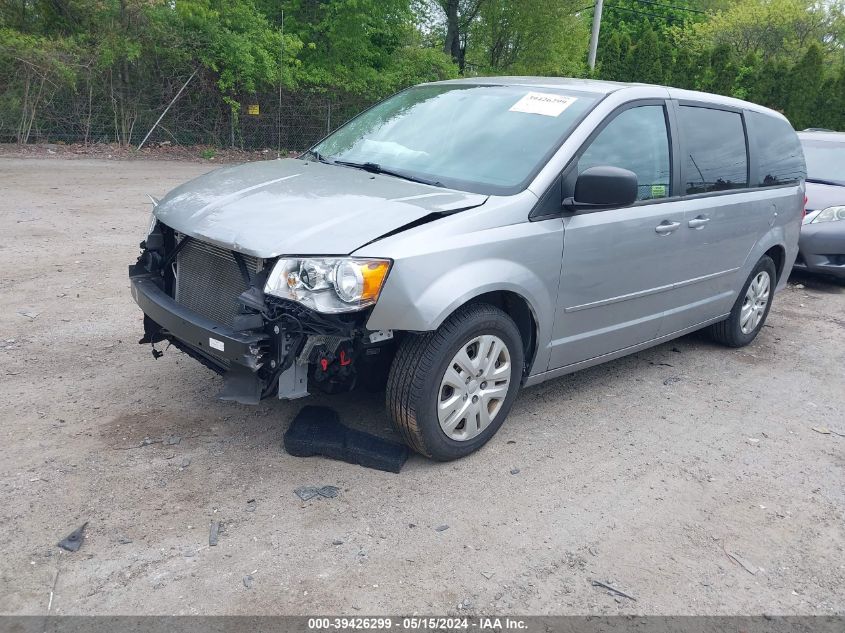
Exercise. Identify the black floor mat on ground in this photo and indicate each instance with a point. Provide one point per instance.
(318, 431)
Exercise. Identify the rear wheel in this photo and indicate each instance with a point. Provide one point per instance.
(450, 390)
(751, 307)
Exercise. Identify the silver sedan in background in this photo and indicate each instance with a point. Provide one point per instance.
(822, 243)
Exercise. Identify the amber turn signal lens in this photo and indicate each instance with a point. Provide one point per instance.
(374, 274)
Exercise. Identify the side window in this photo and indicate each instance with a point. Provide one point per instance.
(716, 155)
(637, 139)
(780, 159)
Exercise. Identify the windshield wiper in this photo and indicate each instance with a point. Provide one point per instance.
(319, 157)
(375, 168)
(821, 181)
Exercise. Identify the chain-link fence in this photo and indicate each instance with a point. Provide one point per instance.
(284, 121)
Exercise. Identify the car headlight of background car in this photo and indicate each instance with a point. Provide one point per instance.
(831, 214)
(328, 284)
(151, 224)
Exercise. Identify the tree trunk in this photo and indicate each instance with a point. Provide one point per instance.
(452, 45)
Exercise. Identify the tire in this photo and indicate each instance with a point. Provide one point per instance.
(418, 394)
(730, 331)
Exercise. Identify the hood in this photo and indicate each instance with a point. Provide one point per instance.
(821, 196)
(294, 207)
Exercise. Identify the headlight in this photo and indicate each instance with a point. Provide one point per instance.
(151, 224)
(831, 214)
(328, 284)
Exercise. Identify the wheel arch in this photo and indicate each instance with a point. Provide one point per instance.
(518, 308)
(778, 256)
(776, 245)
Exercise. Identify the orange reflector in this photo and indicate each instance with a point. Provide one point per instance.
(374, 274)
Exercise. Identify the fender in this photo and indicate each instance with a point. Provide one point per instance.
(425, 286)
(460, 286)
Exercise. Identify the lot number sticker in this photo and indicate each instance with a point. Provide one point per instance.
(543, 103)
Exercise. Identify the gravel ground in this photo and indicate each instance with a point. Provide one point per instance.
(688, 476)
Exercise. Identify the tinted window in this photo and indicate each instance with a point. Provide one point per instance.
(780, 158)
(488, 139)
(636, 140)
(716, 157)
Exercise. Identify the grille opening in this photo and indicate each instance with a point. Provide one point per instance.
(209, 280)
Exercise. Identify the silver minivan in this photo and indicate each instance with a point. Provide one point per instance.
(465, 238)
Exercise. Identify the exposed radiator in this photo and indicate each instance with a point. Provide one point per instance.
(209, 280)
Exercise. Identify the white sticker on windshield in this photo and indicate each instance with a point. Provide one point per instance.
(543, 103)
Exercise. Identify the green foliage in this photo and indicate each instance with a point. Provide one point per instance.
(362, 47)
(634, 18)
(527, 37)
(831, 104)
(233, 41)
(616, 57)
(776, 29)
(33, 68)
(124, 60)
(805, 81)
(644, 63)
(784, 54)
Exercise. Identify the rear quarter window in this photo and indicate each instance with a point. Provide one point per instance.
(780, 160)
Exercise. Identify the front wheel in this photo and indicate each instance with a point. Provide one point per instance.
(450, 390)
(751, 307)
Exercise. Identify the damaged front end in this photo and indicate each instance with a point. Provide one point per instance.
(210, 303)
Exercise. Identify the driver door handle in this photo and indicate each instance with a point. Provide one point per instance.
(698, 222)
(666, 227)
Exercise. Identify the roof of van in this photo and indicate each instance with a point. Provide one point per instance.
(823, 135)
(599, 87)
(582, 85)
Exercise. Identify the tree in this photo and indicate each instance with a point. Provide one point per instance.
(613, 64)
(105, 69)
(721, 74)
(460, 15)
(33, 68)
(832, 102)
(528, 37)
(633, 18)
(805, 81)
(362, 47)
(780, 29)
(646, 66)
(682, 69)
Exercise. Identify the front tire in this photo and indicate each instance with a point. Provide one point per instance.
(750, 309)
(450, 390)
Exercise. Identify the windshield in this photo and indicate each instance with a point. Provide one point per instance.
(484, 139)
(825, 160)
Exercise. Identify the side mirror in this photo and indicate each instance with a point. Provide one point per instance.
(603, 188)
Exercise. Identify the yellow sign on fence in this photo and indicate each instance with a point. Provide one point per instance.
(253, 109)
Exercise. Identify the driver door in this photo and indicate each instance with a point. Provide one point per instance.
(619, 265)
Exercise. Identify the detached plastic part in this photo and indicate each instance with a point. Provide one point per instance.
(318, 431)
(73, 541)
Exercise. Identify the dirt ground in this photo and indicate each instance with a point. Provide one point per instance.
(113, 152)
(688, 476)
